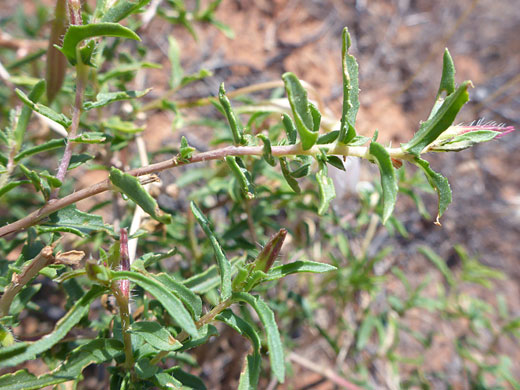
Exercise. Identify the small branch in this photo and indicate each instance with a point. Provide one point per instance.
(43, 259)
(217, 154)
(325, 371)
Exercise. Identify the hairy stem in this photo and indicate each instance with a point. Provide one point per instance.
(124, 313)
(81, 79)
(217, 154)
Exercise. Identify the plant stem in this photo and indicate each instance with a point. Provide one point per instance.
(81, 79)
(124, 313)
(217, 154)
(43, 259)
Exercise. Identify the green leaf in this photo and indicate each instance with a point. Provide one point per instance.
(440, 121)
(115, 123)
(23, 120)
(11, 185)
(288, 177)
(350, 91)
(242, 176)
(328, 138)
(131, 187)
(282, 271)
(290, 129)
(44, 110)
(388, 178)
(20, 352)
(439, 183)
(326, 188)
(188, 297)
(268, 154)
(36, 181)
(236, 130)
(336, 162)
(359, 140)
(188, 381)
(122, 9)
(77, 222)
(104, 98)
(79, 159)
(251, 371)
(223, 264)
(205, 332)
(46, 146)
(186, 151)
(439, 263)
(78, 33)
(180, 315)
(175, 60)
(306, 116)
(205, 281)
(94, 352)
(202, 74)
(89, 138)
(448, 75)
(156, 335)
(274, 343)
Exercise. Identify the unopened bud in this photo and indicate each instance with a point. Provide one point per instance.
(271, 250)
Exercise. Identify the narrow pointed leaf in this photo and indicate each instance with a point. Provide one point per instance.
(180, 315)
(274, 343)
(268, 154)
(234, 124)
(439, 122)
(241, 175)
(281, 271)
(46, 146)
(288, 176)
(251, 370)
(156, 335)
(104, 98)
(290, 129)
(188, 297)
(448, 75)
(122, 9)
(223, 264)
(131, 187)
(305, 118)
(388, 178)
(78, 33)
(94, 352)
(44, 110)
(23, 120)
(439, 183)
(350, 91)
(20, 352)
(326, 189)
